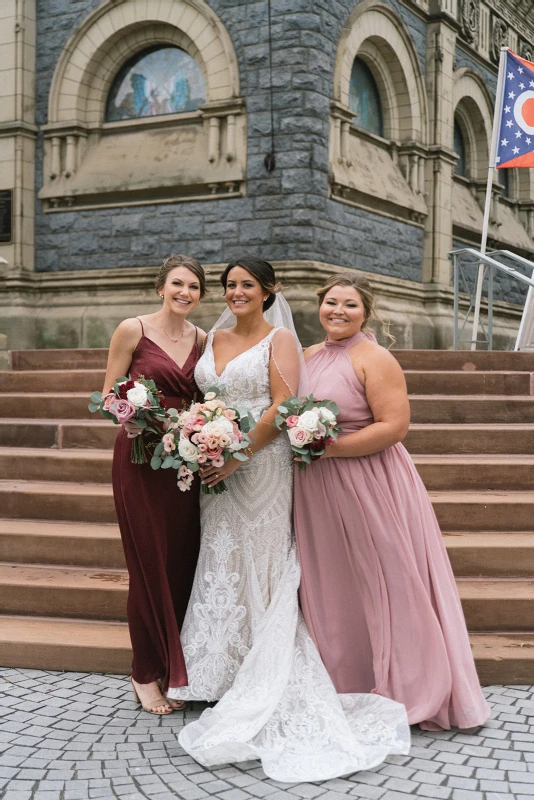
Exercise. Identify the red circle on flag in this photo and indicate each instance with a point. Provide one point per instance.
(527, 112)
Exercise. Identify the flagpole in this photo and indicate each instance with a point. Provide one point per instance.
(487, 205)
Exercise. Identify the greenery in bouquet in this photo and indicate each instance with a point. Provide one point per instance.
(311, 426)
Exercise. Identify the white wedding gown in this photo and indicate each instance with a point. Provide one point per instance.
(244, 639)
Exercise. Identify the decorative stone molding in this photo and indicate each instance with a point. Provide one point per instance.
(470, 19)
(89, 162)
(499, 38)
(382, 174)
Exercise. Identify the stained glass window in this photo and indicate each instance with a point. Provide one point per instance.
(161, 80)
(364, 98)
(460, 168)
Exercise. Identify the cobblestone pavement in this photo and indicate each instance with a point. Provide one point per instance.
(73, 736)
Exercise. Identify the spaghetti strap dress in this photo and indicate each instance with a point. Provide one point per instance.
(377, 590)
(160, 531)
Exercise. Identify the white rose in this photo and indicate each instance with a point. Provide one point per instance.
(211, 405)
(210, 396)
(326, 415)
(138, 395)
(187, 450)
(218, 426)
(309, 420)
(299, 437)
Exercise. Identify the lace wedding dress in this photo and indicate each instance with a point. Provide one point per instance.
(244, 639)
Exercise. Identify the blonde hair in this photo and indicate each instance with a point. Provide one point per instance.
(363, 287)
(178, 260)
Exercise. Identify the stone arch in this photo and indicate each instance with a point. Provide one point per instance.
(473, 110)
(115, 32)
(374, 33)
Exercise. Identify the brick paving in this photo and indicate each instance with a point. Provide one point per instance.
(74, 736)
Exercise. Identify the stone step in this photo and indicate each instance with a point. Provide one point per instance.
(471, 408)
(450, 382)
(43, 405)
(465, 360)
(94, 433)
(475, 472)
(81, 466)
(60, 591)
(53, 500)
(95, 358)
(504, 659)
(490, 439)
(76, 380)
(484, 511)
(490, 554)
(495, 605)
(65, 644)
(78, 544)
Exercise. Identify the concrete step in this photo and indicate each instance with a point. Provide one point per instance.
(26, 463)
(90, 358)
(495, 605)
(490, 554)
(465, 360)
(42, 405)
(451, 382)
(53, 500)
(471, 408)
(76, 380)
(55, 591)
(95, 433)
(491, 439)
(78, 544)
(475, 472)
(484, 511)
(504, 659)
(65, 644)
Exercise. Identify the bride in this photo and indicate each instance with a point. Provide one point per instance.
(244, 640)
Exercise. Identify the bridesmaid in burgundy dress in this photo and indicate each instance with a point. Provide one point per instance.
(377, 590)
(159, 524)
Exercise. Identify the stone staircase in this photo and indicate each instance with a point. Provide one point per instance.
(62, 579)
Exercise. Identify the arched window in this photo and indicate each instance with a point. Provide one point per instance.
(460, 168)
(364, 98)
(159, 80)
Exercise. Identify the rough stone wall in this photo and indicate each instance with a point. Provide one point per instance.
(286, 214)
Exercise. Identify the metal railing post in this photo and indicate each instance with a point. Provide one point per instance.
(456, 284)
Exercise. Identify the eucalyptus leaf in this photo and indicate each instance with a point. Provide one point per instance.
(240, 456)
(93, 407)
(155, 462)
(141, 423)
(96, 397)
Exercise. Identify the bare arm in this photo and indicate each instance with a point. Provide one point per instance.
(385, 388)
(121, 348)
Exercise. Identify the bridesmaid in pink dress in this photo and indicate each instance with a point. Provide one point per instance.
(377, 589)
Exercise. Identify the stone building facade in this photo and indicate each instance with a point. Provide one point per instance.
(376, 116)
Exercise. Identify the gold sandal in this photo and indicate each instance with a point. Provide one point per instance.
(176, 705)
(155, 704)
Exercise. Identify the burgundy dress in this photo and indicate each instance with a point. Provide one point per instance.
(160, 530)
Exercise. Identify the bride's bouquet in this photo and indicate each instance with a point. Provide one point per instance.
(205, 434)
(137, 401)
(311, 426)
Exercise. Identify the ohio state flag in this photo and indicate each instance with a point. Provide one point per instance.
(515, 145)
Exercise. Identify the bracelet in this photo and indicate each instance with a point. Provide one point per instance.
(248, 451)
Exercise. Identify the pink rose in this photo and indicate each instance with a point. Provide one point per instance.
(229, 413)
(299, 437)
(214, 453)
(320, 432)
(292, 421)
(123, 410)
(108, 401)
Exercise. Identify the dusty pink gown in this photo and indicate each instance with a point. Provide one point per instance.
(377, 589)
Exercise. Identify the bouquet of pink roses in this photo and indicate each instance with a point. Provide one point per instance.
(139, 401)
(310, 424)
(207, 433)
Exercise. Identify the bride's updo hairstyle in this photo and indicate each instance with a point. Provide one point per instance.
(259, 269)
(363, 287)
(179, 260)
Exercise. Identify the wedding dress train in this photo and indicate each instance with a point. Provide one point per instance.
(244, 639)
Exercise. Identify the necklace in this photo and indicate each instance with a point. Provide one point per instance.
(170, 337)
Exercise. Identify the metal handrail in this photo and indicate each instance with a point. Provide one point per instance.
(490, 265)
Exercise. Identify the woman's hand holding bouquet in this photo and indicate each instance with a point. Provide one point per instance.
(206, 434)
(133, 402)
(311, 426)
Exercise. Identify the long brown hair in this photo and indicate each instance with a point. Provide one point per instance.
(359, 282)
(179, 260)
